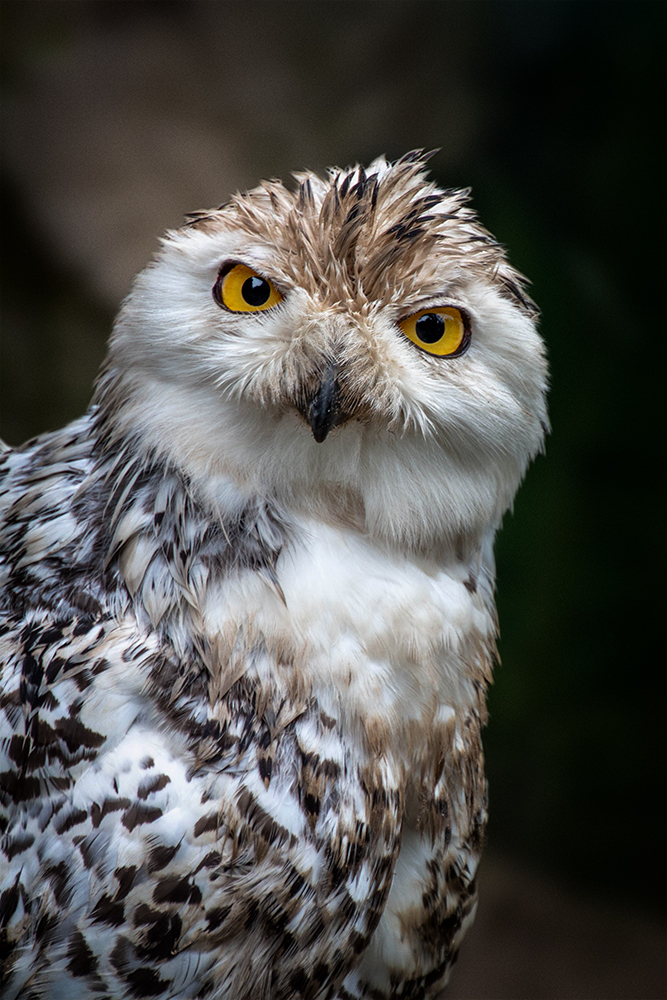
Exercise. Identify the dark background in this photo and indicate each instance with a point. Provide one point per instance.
(119, 117)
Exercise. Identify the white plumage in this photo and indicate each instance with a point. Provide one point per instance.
(248, 615)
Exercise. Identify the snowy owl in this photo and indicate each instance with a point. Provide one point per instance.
(248, 609)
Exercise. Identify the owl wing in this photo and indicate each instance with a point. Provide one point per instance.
(134, 869)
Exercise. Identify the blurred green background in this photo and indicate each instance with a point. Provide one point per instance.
(119, 117)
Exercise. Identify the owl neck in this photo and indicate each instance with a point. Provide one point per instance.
(409, 493)
(233, 582)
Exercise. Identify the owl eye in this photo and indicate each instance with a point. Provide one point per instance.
(240, 289)
(444, 331)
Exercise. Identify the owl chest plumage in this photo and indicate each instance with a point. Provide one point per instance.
(244, 742)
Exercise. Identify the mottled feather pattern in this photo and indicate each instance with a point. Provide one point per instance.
(244, 672)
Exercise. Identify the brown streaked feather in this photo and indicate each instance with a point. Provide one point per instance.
(382, 229)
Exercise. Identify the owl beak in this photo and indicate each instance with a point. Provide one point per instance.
(324, 410)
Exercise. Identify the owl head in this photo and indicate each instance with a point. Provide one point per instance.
(354, 348)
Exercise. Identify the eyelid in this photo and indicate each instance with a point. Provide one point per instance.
(432, 305)
(259, 269)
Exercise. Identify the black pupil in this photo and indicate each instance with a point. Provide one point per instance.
(256, 291)
(430, 327)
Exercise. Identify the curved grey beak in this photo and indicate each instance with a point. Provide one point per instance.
(324, 410)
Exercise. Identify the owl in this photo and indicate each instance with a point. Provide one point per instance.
(248, 609)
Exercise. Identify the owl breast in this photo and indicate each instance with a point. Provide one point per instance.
(377, 635)
(375, 640)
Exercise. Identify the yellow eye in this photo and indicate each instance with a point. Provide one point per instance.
(240, 289)
(442, 331)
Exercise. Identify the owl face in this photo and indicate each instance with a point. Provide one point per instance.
(357, 348)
